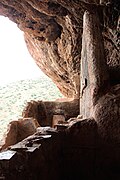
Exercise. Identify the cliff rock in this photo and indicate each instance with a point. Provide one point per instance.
(53, 33)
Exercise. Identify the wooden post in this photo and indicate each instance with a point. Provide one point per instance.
(94, 73)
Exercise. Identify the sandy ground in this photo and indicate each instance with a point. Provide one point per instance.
(14, 96)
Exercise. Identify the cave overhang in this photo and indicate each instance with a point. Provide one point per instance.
(53, 35)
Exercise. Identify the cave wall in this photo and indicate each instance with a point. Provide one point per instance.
(75, 153)
(53, 31)
(86, 148)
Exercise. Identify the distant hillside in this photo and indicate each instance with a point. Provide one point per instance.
(14, 96)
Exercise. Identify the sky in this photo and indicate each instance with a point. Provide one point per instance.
(15, 60)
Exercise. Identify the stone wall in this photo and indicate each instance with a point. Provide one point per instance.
(43, 111)
(77, 152)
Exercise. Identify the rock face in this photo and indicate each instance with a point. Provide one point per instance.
(19, 130)
(99, 99)
(53, 31)
(84, 148)
(107, 115)
(75, 153)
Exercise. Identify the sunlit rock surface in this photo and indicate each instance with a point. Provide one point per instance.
(53, 31)
(18, 130)
(84, 148)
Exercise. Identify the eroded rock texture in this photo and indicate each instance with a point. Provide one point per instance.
(87, 148)
(75, 153)
(99, 98)
(18, 130)
(53, 31)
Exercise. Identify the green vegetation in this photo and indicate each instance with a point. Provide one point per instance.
(14, 96)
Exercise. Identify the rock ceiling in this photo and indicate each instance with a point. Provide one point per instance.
(53, 31)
